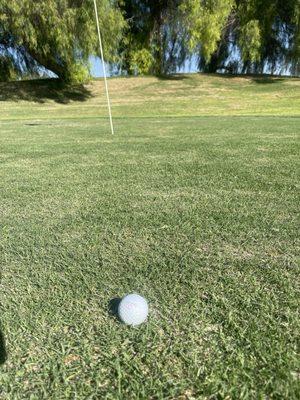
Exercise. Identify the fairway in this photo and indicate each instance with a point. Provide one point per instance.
(193, 204)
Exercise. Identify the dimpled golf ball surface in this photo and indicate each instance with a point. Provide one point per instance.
(133, 309)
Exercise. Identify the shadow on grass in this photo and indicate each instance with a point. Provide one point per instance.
(41, 90)
(263, 79)
(113, 307)
(173, 77)
(260, 79)
(267, 80)
(3, 354)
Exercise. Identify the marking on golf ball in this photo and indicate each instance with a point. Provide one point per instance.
(133, 309)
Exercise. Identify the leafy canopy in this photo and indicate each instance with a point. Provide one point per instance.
(204, 21)
(149, 37)
(57, 34)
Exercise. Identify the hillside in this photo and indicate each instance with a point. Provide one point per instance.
(180, 95)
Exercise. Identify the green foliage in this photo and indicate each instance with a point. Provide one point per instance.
(79, 73)
(156, 27)
(204, 22)
(264, 32)
(58, 34)
(250, 41)
(141, 62)
(143, 36)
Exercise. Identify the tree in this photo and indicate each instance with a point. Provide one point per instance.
(266, 34)
(146, 36)
(204, 23)
(260, 33)
(59, 35)
(153, 38)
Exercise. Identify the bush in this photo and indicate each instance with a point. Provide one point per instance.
(141, 62)
(79, 73)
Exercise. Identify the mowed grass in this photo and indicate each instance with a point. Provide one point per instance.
(196, 212)
(180, 95)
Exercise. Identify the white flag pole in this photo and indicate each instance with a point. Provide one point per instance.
(104, 70)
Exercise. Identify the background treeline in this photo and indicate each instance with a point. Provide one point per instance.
(149, 37)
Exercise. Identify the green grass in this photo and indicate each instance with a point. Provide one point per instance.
(198, 213)
(183, 95)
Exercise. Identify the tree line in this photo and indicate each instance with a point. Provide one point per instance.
(149, 37)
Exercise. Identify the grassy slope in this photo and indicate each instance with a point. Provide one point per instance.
(197, 213)
(184, 95)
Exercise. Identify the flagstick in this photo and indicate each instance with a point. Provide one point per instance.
(104, 70)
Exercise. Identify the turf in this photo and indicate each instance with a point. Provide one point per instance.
(193, 204)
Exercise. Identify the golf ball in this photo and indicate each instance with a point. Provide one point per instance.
(133, 309)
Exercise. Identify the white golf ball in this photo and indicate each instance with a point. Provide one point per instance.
(133, 309)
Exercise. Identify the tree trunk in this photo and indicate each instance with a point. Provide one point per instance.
(158, 39)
